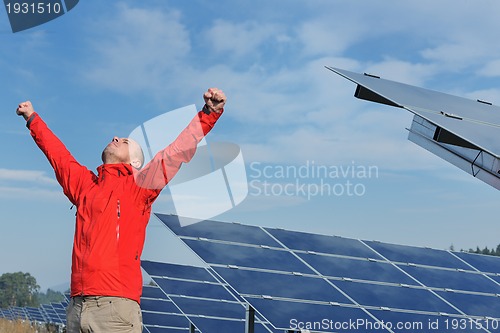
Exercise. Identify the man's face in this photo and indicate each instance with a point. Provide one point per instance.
(117, 151)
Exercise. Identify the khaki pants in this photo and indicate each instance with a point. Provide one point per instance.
(99, 314)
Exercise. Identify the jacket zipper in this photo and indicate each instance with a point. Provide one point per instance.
(84, 234)
(118, 213)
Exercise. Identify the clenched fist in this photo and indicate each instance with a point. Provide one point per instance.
(215, 99)
(25, 109)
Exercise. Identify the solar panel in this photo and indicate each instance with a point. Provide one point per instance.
(19, 313)
(298, 283)
(416, 255)
(359, 269)
(50, 313)
(481, 263)
(159, 314)
(462, 131)
(312, 243)
(7, 314)
(208, 304)
(60, 309)
(35, 314)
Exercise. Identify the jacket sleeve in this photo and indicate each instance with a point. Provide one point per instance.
(166, 163)
(69, 173)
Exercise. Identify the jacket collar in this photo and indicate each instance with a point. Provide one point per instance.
(116, 170)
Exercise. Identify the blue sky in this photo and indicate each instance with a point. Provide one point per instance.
(107, 66)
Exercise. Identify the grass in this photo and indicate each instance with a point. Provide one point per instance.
(18, 326)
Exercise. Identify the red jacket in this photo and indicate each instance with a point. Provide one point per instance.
(113, 208)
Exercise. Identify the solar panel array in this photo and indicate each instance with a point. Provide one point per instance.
(297, 281)
(53, 313)
(159, 314)
(324, 283)
(194, 294)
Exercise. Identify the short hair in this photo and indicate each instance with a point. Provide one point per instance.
(136, 152)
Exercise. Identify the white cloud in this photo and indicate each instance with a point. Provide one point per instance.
(31, 176)
(325, 37)
(242, 39)
(490, 69)
(403, 71)
(30, 193)
(140, 50)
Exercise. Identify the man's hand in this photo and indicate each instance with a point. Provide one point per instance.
(25, 109)
(214, 100)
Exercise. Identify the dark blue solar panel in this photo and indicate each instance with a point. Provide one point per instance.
(395, 288)
(220, 231)
(415, 255)
(163, 319)
(212, 308)
(49, 310)
(156, 329)
(458, 280)
(152, 292)
(60, 309)
(489, 264)
(53, 315)
(206, 305)
(295, 316)
(279, 285)
(57, 306)
(356, 269)
(323, 244)
(7, 314)
(495, 278)
(19, 312)
(214, 325)
(158, 305)
(193, 289)
(474, 305)
(255, 257)
(394, 297)
(35, 314)
(177, 271)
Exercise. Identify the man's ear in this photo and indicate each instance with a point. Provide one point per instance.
(136, 164)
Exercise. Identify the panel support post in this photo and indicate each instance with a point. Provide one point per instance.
(250, 319)
(192, 329)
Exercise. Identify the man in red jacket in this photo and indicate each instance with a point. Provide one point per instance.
(113, 209)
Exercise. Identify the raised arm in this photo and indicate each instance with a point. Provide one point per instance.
(69, 173)
(166, 163)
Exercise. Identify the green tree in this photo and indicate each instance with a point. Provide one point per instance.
(18, 289)
(51, 296)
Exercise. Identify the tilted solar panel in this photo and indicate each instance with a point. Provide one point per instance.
(51, 314)
(197, 295)
(461, 131)
(159, 314)
(35, 314)
(300, 284)
(60, 309)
